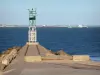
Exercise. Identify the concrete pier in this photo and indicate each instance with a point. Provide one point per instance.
(46, 67)
(32, 51)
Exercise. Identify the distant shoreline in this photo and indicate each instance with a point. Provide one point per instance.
(49, 27)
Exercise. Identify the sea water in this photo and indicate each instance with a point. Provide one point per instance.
(71, 40)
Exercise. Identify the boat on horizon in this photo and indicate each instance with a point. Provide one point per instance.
(82, 26)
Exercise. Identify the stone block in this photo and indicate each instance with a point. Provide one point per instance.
(81, 57)
(53, 57)
(66, 57)
(32, 58)
(57, 57)
(32, 43)
(49, 54)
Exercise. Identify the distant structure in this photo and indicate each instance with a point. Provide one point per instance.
(69, 26)
(82, 26)
(32, 34)
(43, 25)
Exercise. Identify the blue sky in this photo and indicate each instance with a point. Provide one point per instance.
(51, 12)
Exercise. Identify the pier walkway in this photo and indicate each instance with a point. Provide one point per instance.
(19, 67)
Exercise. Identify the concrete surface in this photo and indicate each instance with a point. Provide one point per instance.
(81, 58)
(20, 67)
(32, 58)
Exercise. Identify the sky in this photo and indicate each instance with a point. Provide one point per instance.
(51, 12)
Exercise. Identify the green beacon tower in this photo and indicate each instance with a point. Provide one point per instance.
(32, 33)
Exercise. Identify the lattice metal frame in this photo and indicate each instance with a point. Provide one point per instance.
(32, 33)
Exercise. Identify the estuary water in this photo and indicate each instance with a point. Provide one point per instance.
(71, 40)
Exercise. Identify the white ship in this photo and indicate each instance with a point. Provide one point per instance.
(82, 26)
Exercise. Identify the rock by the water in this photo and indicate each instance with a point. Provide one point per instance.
(61, 52)
(64, 55)
(50, 53)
